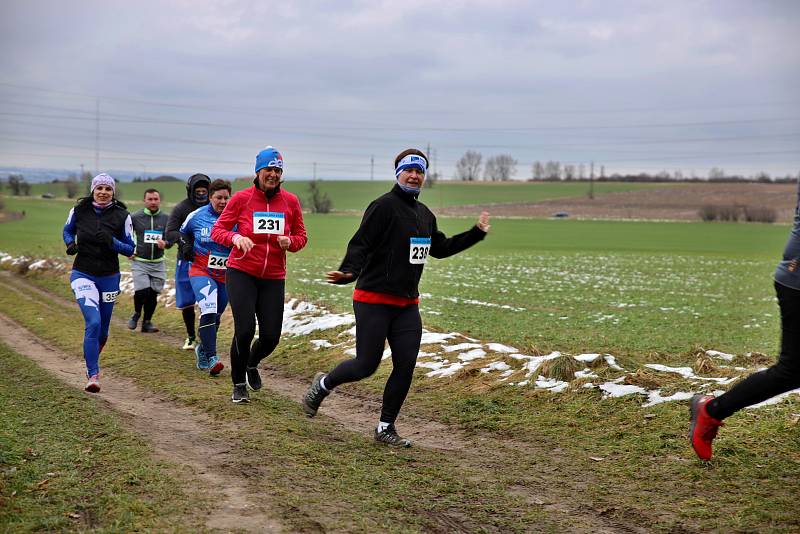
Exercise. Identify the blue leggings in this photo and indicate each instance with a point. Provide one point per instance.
(96, 296)
(212, 298)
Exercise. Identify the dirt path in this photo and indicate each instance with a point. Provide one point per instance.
(178, 435)
(176, 432)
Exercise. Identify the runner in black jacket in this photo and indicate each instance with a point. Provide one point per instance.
(196, 197)
(387, 255)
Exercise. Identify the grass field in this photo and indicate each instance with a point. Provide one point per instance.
(645, 292)
(622, 287)
(355, 195)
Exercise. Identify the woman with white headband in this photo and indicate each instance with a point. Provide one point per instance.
(97, 230)
(386, 256)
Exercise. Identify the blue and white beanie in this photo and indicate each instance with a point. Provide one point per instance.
(269, 157)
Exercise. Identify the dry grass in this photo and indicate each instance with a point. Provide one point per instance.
(705, 365)
(562, 368)
(650, 379)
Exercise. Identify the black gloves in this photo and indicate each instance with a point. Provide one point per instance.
(72, 249)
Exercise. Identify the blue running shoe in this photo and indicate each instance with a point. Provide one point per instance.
(202, 359)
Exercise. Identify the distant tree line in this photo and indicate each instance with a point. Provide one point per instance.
(471, 167)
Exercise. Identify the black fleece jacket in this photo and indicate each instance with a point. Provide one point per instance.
(378, 253)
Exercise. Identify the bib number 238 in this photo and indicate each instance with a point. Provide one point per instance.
(268, 222)
(419, 249)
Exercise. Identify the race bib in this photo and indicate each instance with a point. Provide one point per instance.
(217, 260)
(110, 296)
(268, 222)
(418, 252)
(152, 236)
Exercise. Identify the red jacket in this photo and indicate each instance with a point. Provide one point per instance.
(259, 218)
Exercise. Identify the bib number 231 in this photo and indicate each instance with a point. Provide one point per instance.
(419, 249)
(268, 222)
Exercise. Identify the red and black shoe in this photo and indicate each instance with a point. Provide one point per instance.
(93, 385)
(702, 427)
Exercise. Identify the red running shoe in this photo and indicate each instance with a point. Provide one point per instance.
(702, 427)
(93, 385)
(215, 366)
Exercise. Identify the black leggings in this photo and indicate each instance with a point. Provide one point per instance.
(252, 297)
(376, 323)
(148, 299)
(782, 377)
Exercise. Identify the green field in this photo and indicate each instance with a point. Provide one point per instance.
(578, 286)
(646, 292)
(355, 195)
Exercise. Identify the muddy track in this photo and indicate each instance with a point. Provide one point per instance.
(178, 436)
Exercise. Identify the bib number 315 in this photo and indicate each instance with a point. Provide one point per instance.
(419, 249)
(268, 222)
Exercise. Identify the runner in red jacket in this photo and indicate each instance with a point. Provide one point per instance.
(270, 222)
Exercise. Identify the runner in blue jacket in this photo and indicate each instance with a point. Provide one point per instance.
(207, 273)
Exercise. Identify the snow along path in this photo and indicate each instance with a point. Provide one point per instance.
(350, 410)
(445, 360)
(177, 433)
(545, 485)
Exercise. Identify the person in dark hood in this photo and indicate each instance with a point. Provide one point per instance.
(196, 197)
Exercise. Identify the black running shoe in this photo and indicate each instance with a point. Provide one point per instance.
(240, 393)
(253, 378)
(389, 437)
(314, 396)
(147, 327)
(133, 321)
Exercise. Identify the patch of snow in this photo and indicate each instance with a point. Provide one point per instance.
(474, 354)
(720, 355)
(613, 389)
(497, 347)
(556, 386)
(654, 397)
(461, 346)
(496, 366)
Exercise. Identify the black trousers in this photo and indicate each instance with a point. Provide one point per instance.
(375, 324)
(782, 377)
(252, 297)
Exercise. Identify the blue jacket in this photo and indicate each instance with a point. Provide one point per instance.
(788, 271)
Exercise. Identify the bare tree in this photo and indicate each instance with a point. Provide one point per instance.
(320, 202)
(569, 172)
(552, 169)
(500, 168)
(537, 171)
(72, 186)
(716, 173)
(468, 167)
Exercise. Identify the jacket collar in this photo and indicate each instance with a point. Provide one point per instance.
(409, 198)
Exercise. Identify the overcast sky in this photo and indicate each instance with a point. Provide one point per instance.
(187, 86)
